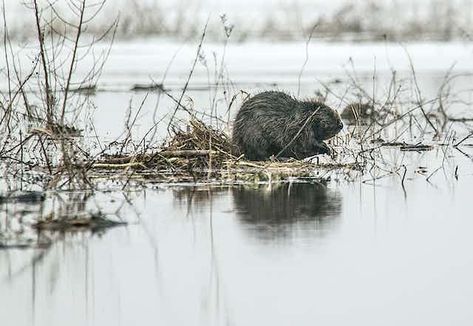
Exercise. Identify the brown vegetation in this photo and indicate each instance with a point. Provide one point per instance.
(42, 147)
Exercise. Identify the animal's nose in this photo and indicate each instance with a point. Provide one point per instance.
(340, 125)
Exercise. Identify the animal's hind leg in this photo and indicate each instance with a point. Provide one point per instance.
(258, 149)
(259, 152)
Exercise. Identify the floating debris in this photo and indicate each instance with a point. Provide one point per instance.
(407, 147)
(147, 87)
(78, 222)
(416, 148)
(394, 144)
(86, 89)
(27, 197)
(25, 245)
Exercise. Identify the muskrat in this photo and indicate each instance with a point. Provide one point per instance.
(274, 123)
(358, 111)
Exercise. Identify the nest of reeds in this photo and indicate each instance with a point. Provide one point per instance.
(202, 146)
(197, 148)
(199, 152)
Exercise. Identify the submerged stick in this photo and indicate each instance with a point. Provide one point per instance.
(402, 180)
(464, 138)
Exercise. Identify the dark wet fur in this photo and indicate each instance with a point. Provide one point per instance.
(268, 121)
(358, 111)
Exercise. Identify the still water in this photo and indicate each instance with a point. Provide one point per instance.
(286, 254)
(366, 252)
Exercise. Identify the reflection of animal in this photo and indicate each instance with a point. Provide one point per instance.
(358, 111)
(274, 123)
(278, 211)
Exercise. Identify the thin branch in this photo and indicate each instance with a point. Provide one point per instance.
(197, 55)
(49, 104)
(306, 58)
(73, 61)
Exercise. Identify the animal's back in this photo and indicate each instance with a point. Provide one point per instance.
(270, 104)
(259, 123)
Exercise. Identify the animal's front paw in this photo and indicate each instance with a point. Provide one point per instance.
(324, 149)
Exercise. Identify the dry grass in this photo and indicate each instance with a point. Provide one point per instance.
(362, 20)
(200, 153)
(49, 152)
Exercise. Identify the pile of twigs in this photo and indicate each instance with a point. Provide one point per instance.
(199, 152)
(196, 151)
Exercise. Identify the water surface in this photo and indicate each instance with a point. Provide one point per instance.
(365, 252)
(291, 253)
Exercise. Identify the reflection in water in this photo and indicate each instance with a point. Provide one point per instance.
(281, 270)
(41, 262)
(31, 220)
(280, 210)
(198, 200)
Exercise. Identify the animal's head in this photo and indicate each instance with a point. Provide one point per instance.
(326, 122)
